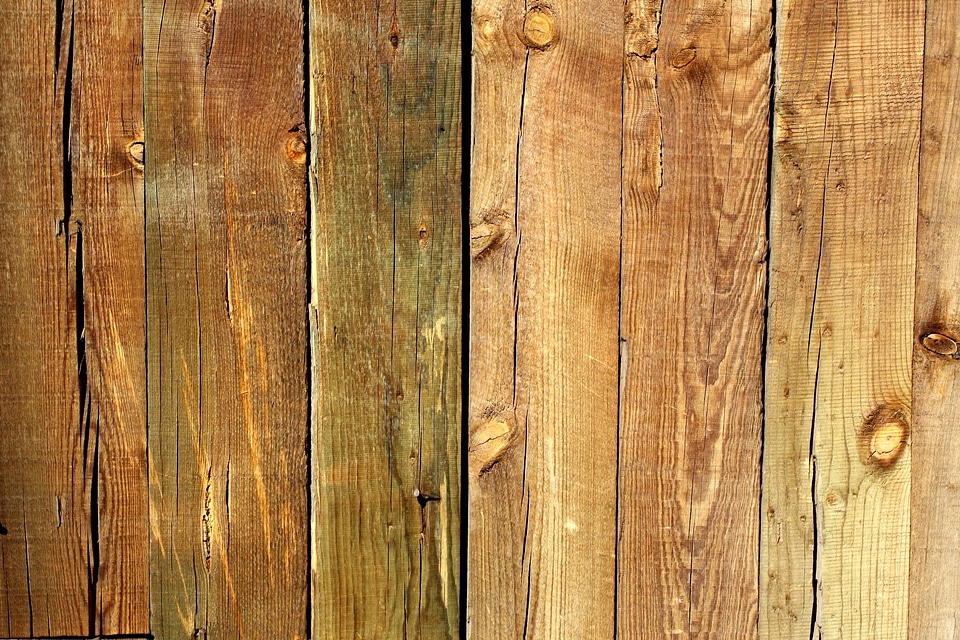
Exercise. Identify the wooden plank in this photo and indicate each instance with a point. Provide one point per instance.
(385, 114)
(46, 552)
(935, 503)
(836, 488)
(496, 597)
(556, 437)
(696, 98)
(106, 151)
(226, 326)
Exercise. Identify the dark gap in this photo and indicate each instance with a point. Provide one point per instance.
(466, 101)
(94, 575)
(58, 31)
(771, 117)
(308, 247)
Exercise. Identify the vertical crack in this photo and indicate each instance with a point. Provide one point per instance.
(621, 345)
(771, 124)
(815, 628)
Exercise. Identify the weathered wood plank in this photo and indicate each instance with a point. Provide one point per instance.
(552, 416)
(496, 597)
(385, 114)
(696, 98)
(935, 503)
(46, 552)
(836, 486)
(226, 328)
(106, 152)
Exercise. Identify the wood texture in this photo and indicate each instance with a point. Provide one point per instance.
(46, 548)
(935, 503)
(385, 124)
(106, 171)
(226, 251)
(556, 438)
(837, 460)
(696, 97)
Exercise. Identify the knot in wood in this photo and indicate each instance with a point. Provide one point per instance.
(683, 57)
(135, 153)
(883, 436)
(539, 28)
(489, 232)
(489, 441)
(941, 345)
(297, 147)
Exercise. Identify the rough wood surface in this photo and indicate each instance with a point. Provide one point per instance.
(385, 124)
(226, 251)
(106, 168)
(935, 502)
(837, 460)
(696, 97)
(46, 548)
(556, 437)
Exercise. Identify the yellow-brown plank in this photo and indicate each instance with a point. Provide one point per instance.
(696, 98)
(46, 547)
(106, 162)
(227, 338)
(386, 311)
(544, 427)
(935, 502)
(836, 486)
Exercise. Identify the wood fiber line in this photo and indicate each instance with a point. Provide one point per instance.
(46, 548)
(106, 163)
(226, 251)
(935, 503)
(696, 99)
(543, 417)
(836, 486)
(386, 314)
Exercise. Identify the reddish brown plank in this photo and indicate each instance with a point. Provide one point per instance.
(226, 250)
(696, 96)
(47, 450)
(106, 167)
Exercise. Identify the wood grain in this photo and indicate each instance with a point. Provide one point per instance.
(935, 503)
(385, 169)
(106, 167)
(696, 96)
(46, 547)
(556, 438)
(836, 487)
(226, 252)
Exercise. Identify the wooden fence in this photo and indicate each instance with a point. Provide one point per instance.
(712, 289)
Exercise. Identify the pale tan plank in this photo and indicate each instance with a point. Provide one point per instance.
(496, 599)
(562, 422)
(836, 484)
